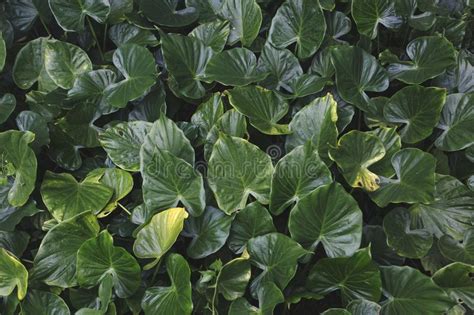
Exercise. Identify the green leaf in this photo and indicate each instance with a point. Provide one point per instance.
(186, 58)
(392, 143)
(209, 232)
(408, 291)
(125, 33)
(457, 121)
(268, 297)
(356, 151)
(118, 10)
(167, 13)
(55, 262)
(263, 107)
(238, 169)
(233, 278)
(234, 67)
(365, 75)
(357, 276)
(15, 242)
(330, 216)
(301, 22)
(18, 165)
(418, 109)
(253, 220)
(207, 115)
(12, 274)
(455, 279)
(283, 67)
(316, 122)
(338, 25)
(245, 18)
(405, 238)
(451, 210)
(415, 179)
(213, 34)
(123, 141)
(137, 65)
(65, 197)
(175, 299)
(368, 14)
(382, 254)
(64, 62)
(458, 250)
(78, 124)
(98, 258)
(90, 87)
(35, 123)
(70, 15)
(168, 179)
(158, 235)
(29, 65)
(121, 182)
(277, 256)
(43, 302)
(430, 56)
(7, 106)
(297, 174)
(363, 307)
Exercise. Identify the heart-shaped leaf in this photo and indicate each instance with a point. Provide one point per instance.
(263, 107)
(158, 235)
(357, 276)
(70, 15)
(13, 274)
(456, 281)
(301, 22)
(238, 169)
(43, 302)
(330, 216)
(368, 14)
(245, 18)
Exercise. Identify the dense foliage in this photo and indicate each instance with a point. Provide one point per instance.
(236, 157)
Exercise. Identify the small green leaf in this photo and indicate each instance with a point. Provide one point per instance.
(175, 299)
(233, 278)
(245, 18)
(238, 169)
(70, 15)
(458, 250)
(368, 14)
(357, 276)
(207, 115)
(301, 22)
(35, 123)
(330, 216)
(213, 34)
(263, 107)
(7, 106)
(158, 235)
(29, 64)
(65, 197)
(356, 151)
(125, 33)
(392, 143)
(12, 274)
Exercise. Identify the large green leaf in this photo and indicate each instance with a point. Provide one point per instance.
(330, 216)
(253, 220)
(64, 62)
(70, 15)
(297, 174)
(43, 302)
(363, 74)
(277, 256)
(415, 179)
(455, 279)
(407, 240)
(356, 151)
(209, 232)
(158, 235)
(263, 107)
(417, 108)
(186, 58)
(357, 276)
(235, 67)
(450, 212)
(368, 14)
(97, 258)
(168, 179)
(137, 65)
(245, 18)
(17, 165)
(167, 13)
(430, 56)
(458, 250)
(238, 169)
(283, 67)
(65, 197)
(301, 22)
(316, 122)
(7, 106)
(457, 121)
(55, 262)
(12, 274)
(408, 291)
(268, 297)
(175, 299)
(123, 141)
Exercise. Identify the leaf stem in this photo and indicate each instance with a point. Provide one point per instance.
(94, 35)
(155, 273)
(45, 26)
(104, 39)
(124, 208)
